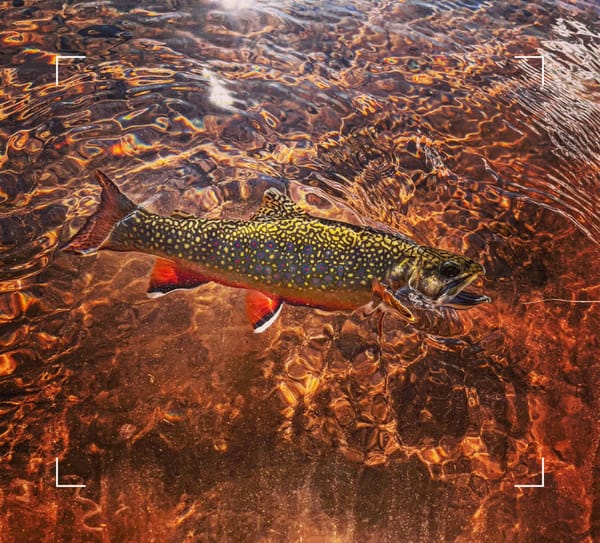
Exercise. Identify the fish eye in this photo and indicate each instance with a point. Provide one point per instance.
(450, 269)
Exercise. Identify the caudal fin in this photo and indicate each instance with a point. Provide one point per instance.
(112, 208)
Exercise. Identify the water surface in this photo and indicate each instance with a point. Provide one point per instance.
(185, 426)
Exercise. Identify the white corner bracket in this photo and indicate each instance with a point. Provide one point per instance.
(535, 486)
(57, 58)
(58, 485)
(543, 65)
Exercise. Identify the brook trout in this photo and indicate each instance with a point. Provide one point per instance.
(281, 254)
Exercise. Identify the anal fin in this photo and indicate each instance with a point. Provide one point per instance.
(167, 275)
(262, 310)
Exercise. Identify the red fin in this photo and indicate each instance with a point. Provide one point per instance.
(262, 310)
(167, 275)
(112, 208)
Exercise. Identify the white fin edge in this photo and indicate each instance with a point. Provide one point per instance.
(159, 294)
(268, 323)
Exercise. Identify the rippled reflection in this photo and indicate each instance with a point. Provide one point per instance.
(413, 116)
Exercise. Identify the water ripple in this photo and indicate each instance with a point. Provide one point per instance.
(410, 116)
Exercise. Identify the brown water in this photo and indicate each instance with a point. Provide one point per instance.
(185, 426)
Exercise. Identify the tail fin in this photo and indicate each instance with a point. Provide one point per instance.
(112, 208)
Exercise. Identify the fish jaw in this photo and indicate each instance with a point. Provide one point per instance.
(457, 297)
(465, 299)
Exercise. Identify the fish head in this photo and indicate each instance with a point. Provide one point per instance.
(441, 277)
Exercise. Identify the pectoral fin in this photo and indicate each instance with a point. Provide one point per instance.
(380, 292)
(262, 310)
(168, 275)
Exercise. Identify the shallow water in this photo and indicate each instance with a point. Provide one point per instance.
(185, 426)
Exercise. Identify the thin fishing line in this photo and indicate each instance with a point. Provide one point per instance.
(563, 300)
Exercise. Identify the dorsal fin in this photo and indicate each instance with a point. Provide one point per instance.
(276, 205)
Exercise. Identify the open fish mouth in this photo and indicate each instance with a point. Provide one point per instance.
(466, 299)
(459, 300)
(456, 297)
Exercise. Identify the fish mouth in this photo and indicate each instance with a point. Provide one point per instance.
(455, 295)
(465, 299)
